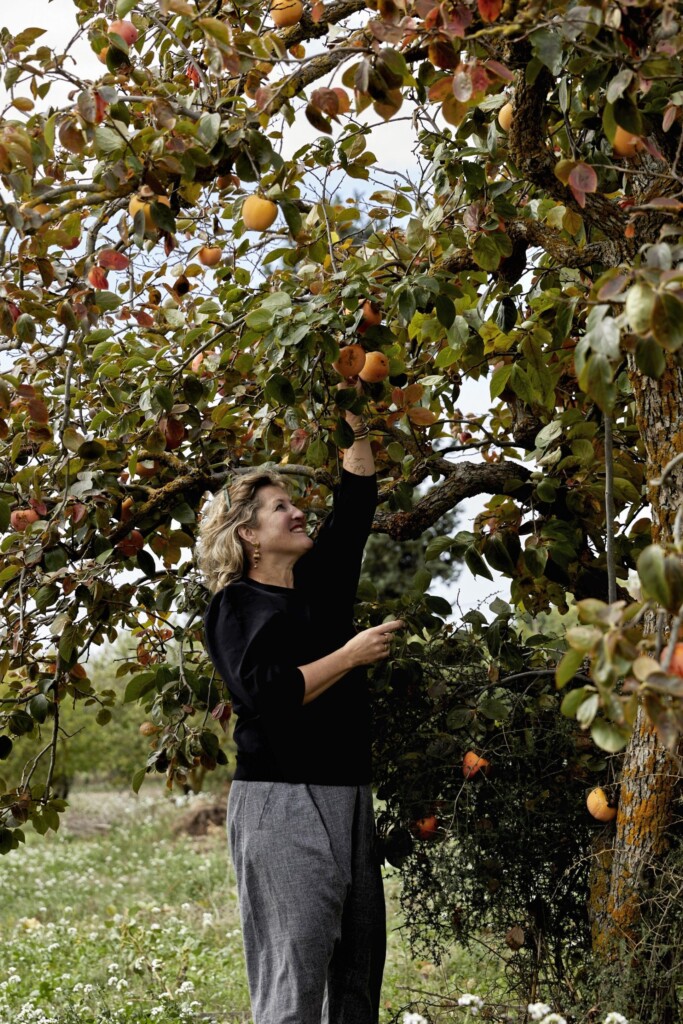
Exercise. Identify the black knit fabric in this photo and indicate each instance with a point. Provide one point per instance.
(257, 635)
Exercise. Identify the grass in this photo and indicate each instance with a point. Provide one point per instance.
(119, 917)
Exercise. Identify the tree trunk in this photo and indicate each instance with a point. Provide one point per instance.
(650, 774)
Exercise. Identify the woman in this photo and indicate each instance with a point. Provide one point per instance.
(279, 630)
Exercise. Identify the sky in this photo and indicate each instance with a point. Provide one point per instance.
(387, 141)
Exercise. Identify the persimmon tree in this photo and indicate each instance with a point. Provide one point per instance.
(175, 291)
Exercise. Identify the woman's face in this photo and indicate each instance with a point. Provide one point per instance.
(280, 526)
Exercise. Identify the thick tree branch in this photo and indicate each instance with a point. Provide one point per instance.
(466, 480)
(535, 163)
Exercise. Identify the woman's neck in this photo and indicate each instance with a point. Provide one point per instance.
(273, 574)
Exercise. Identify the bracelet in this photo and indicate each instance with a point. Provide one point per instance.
(360, 433)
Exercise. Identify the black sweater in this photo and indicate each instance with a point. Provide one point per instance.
(258, 634)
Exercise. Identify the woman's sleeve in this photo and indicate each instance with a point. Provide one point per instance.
(251, 659)
(335, 560)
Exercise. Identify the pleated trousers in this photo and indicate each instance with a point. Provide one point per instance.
(311, 901)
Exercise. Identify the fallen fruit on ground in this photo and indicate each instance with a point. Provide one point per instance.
(375, 368)
(472, 764)
(258, 213)
(351, 360)
(599, 806)
(286, 12)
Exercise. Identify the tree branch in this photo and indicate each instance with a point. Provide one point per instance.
(466, 480)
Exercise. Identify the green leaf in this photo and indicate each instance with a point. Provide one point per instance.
(107, 141)
(596, 380)
(650, 358)
(651, 571)
(486, 253)
(627, 115)
(162, 216)
(216, 29)
(124, 7)
(260, 319)
(476, 564)
(499, 379)
(547, 47)
(317, 453)
(436, 547)
(279, 391)
(667, 321)
(608, 736)
(573, 700)
(138, 779)
(570, 663)
(139, 685)
(208, 129)
(445, 310)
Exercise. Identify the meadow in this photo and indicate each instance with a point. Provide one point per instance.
(122, 916)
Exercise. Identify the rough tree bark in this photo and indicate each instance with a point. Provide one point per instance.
(624, 875)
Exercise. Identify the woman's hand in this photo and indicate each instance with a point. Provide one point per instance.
(372, 644)
(352, 418)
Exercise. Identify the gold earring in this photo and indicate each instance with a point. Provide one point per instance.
(256, 556)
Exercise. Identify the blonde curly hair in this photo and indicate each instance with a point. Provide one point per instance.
(221, 554)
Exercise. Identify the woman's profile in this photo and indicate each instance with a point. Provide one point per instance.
(279, 629)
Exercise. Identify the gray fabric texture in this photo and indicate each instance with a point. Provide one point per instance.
(311, 901)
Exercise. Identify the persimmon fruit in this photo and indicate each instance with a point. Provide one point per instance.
(125, 29)
(209, 255)
(22, 518)
(372, 314)
(258, 213)
(351, 361)
(599, 806)
(145, 204)
(286, 12)
(676, 664)
(625, 144)
(505, 117)
(472, 764)
(375, 368)
(427, 827)
(149, 729)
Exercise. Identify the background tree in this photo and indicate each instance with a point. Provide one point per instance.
(175, 293)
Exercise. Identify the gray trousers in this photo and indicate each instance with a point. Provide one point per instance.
(311, 901)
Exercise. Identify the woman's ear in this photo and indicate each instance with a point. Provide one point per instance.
(245, 534)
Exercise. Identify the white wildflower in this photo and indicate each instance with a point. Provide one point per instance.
(553, 1018)
(538, 1010)
(472, 1001)
(207, 919)
(413, 1018)
(187, 986)
(615, 1018)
